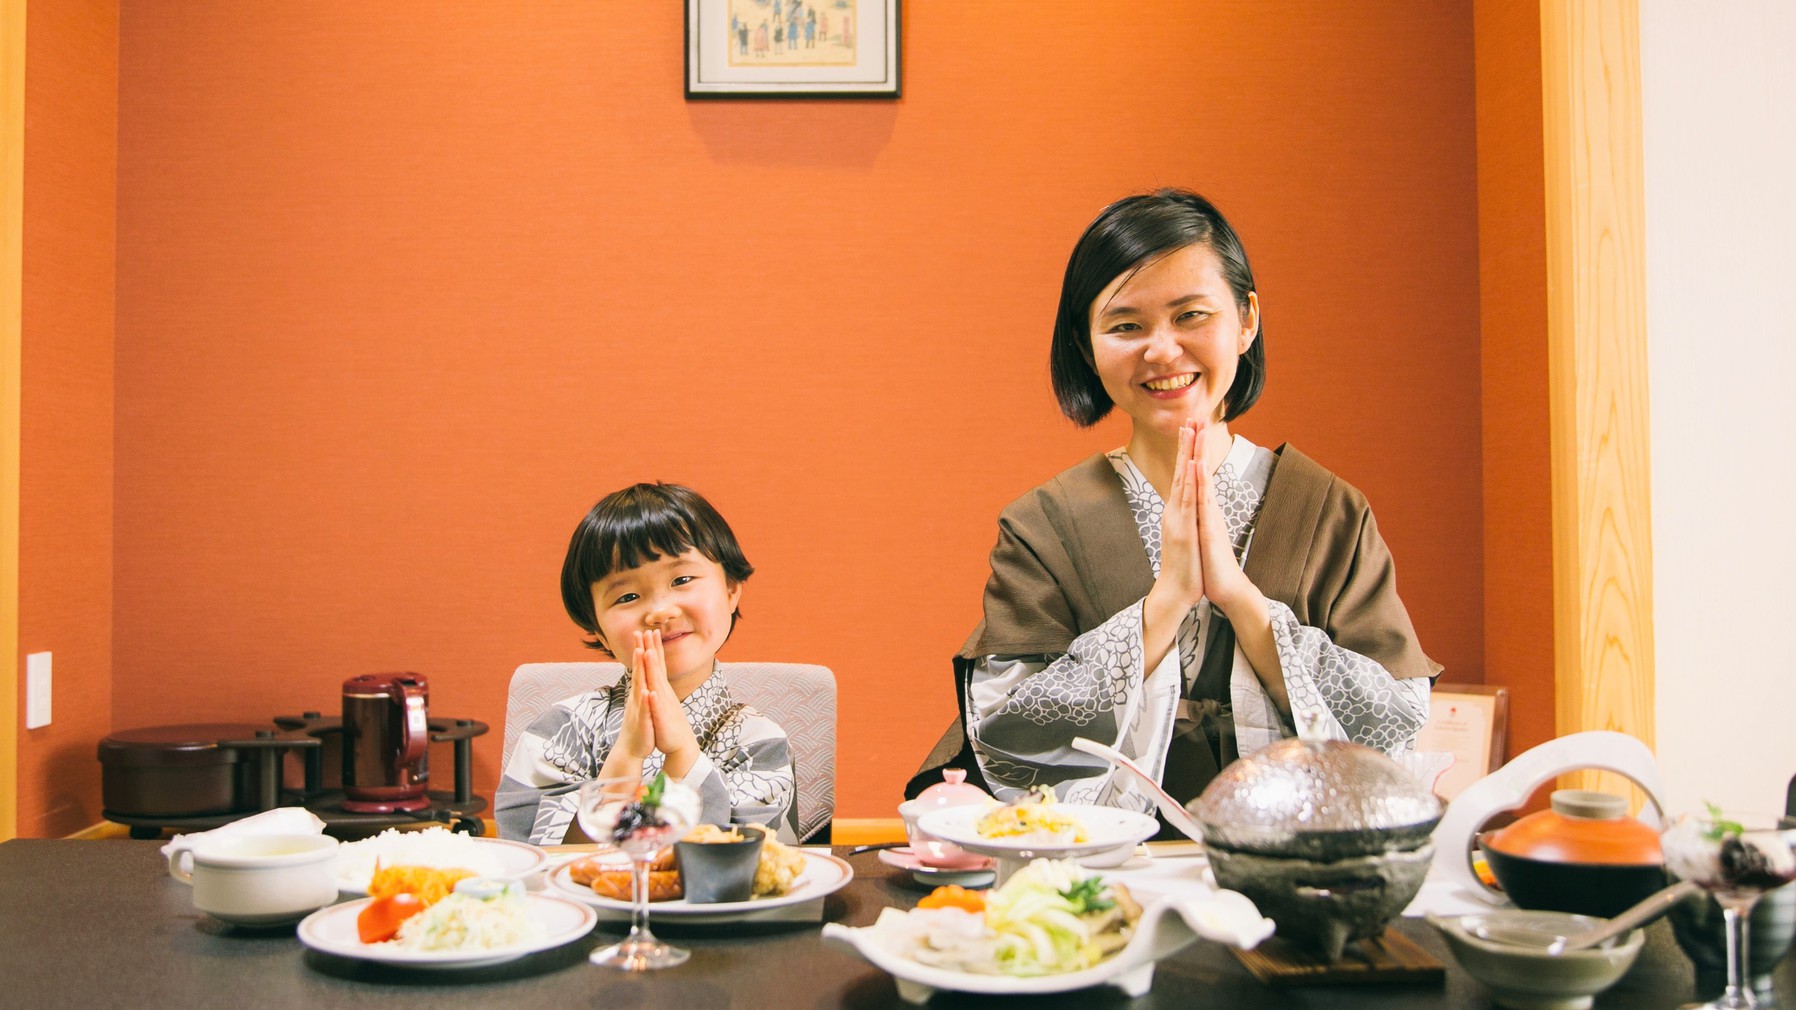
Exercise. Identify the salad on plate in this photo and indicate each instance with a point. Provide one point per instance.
(1053, 926)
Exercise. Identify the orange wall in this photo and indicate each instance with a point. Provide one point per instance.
(403, 288)
(1518, 524)
(66, 406)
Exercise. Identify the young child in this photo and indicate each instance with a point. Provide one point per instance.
(653, 574)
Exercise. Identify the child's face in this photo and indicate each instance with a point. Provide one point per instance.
(684, 596)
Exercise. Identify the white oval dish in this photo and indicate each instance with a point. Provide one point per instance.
(823, 874)
(1167, 924)
(333, 931)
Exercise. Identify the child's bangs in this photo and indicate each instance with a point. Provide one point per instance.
(637, 539)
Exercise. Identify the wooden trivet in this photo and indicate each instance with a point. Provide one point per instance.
(1392, 957)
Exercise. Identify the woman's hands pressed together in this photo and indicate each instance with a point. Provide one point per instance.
(1180, 584)
(1197, 562)
(1224, 583)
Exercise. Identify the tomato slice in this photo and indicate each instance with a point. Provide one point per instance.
(380, 920)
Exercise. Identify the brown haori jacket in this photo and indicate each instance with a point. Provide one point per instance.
(1069, 557)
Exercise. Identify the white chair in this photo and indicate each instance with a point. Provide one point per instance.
(800, 697)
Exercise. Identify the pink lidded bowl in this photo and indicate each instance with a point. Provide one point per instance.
(953, 791)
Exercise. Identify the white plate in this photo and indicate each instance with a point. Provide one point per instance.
(332, 931)
(1167, 924)
(823, 874)
(519, 859)
(1105, 828)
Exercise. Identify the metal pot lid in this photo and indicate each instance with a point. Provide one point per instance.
(1272, 800)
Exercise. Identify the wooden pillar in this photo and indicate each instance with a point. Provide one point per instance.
(12, 212)
(1597, 369)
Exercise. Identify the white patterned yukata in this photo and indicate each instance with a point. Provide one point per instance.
(743, 774)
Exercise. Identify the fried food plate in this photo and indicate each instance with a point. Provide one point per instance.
(823, 874)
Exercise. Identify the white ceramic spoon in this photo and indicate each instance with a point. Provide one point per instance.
(1171, 809)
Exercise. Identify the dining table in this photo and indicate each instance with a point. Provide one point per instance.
(100, 923)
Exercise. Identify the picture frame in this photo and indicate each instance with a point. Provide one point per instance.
(1471, 722)
(793, 49)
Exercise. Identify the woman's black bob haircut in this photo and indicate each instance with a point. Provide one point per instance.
(1123, 237)
(634, 526)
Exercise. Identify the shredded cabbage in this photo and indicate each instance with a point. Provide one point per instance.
(1040, 929)
(465, 921)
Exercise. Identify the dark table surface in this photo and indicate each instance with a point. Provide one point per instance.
(97, 924)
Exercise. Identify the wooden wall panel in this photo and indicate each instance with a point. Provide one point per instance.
(1602, 530)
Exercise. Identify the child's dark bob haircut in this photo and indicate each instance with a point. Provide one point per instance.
(636, 525)
(1125, 235)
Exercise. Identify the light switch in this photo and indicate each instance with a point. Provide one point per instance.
(37, 690)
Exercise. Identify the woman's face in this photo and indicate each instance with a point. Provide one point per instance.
(1165, 339)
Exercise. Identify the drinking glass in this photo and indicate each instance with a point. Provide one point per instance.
(1736, 857)
(611, 813)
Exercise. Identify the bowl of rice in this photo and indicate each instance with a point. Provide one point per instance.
(438, 847)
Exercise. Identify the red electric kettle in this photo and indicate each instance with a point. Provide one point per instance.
(386, 741)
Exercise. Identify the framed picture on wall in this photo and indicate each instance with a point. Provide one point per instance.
(1470, 722)
(792, 49)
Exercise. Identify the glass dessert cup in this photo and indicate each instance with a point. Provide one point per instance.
(613, 813)
(1735, 857)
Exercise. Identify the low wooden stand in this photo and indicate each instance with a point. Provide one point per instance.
(1392, 957)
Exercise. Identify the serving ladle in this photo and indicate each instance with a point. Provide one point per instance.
(1171, 809)
(1647, 910)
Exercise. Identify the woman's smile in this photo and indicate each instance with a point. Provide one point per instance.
(1169, 387)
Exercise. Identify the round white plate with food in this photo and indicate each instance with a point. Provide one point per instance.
(440, 848)
(823, 874)
(332, 930)
(1106, 830)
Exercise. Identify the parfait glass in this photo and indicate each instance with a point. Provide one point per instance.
(1736, 857)
(612, 813)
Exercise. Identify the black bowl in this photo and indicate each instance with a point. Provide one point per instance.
(1599, 889)
(717, 872)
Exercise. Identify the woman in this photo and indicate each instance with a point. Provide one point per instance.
(1192, 596)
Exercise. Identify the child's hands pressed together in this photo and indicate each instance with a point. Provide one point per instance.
(672, 733)
(636, 735)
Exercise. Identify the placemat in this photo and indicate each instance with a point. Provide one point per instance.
(1392, 957)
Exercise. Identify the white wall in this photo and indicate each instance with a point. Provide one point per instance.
(1719, 100)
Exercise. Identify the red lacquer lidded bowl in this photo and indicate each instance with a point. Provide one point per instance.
(1584, 855)
(1581, 827)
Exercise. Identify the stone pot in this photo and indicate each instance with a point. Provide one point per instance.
(1329, 838)
(1325, 904)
